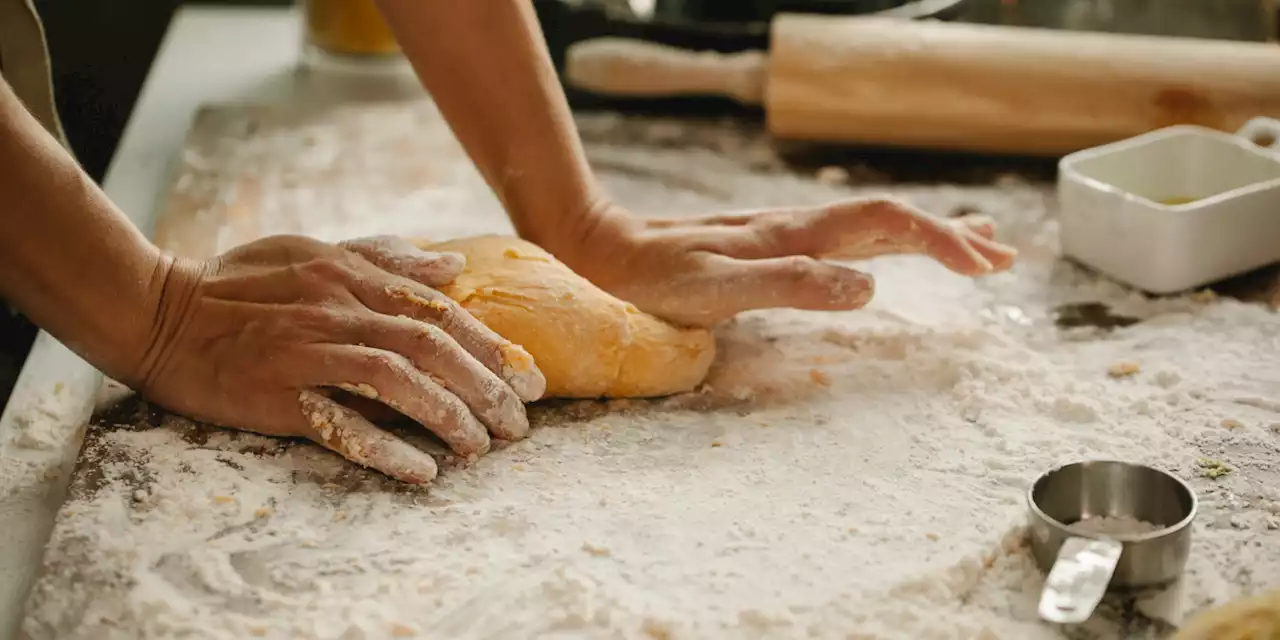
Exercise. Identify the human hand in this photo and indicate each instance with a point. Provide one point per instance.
(703, 270)
(253, 339)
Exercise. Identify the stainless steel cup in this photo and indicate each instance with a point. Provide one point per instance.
(1081, 565)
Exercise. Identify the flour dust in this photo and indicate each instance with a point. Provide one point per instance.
(841, 475)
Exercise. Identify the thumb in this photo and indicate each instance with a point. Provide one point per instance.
(797, 282)
(399, 256)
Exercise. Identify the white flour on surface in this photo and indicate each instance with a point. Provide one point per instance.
(842, 475)
(1117, 526)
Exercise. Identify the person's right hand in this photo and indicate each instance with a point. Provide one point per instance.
(253, 338)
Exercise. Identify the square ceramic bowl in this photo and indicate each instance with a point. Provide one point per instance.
(1176, 208)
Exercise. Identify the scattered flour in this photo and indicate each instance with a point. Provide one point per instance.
(1114, 526)
(39, 421)
(879, 498)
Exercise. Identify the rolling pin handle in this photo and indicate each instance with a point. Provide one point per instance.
(1262, 131)
(639, 69)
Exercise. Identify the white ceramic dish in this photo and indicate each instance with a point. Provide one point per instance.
(1124, 208)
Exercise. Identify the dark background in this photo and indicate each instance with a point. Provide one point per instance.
(101, 51)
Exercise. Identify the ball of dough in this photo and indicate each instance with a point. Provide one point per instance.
(587, 343)
(1256, 617)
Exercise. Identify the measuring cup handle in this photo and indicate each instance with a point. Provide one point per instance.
(1078, 580)
(1262, 131)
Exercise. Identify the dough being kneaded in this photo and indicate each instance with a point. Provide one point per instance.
(587, 343)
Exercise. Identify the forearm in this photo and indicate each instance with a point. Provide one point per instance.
(68, 259)
(489, 72)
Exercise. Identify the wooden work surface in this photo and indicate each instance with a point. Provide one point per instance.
(137, 517)
(248, 172)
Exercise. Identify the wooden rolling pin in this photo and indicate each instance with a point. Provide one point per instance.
(943, 85)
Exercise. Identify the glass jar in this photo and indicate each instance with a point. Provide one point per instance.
(348, 35)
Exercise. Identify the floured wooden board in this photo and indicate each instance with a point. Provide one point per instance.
(842, 474)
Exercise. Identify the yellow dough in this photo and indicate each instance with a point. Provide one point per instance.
(1254, 618)
(587, 343)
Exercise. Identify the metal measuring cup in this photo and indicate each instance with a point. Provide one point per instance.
(1082, 566)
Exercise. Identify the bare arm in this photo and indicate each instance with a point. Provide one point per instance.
(253, 339)
(485, 64)
(69, 259)
(489, 72)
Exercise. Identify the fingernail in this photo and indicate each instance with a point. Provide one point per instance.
(1007, 259)
(404, 462)
(511, 421)
(520, 371)
(853, 289)
(452, 259)
(430, 264)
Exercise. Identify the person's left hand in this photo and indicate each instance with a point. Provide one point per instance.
(704, 270)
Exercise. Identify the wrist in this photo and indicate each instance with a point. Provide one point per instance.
(170, 302)
(583, 237)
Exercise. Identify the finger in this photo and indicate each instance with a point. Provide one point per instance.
(432, 350)
(966, 252)
(981, 231)
(877, 227)
(345, 432)
(976, 223)
(401, 257)
(730, 286)
(510, 362)
(848, 230)
(1001, 256)
(394, 381)
(954, 250)
(855, 230)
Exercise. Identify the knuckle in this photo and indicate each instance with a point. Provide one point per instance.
(881, 201)
(384, 365)
(294, 242)
(797, 267)
(326, 270)
(377, 249)
(881, 205)
(444, 311)
(320, 319)
(772, 238)
(445, 261)
(428, 334)
(803, 273)
(450, 418)
(367, 241)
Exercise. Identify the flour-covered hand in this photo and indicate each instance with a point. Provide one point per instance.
(257, 338)
(699, 271)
